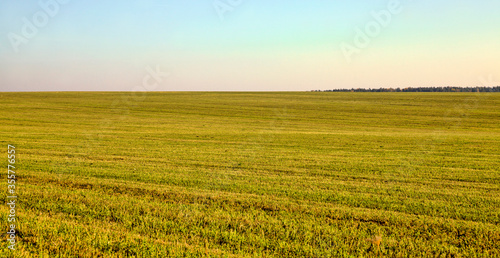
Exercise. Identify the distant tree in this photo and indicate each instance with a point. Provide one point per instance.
(420, 89)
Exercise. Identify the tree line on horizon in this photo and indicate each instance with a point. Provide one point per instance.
(419, 89)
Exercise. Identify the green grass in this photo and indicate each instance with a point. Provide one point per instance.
(254, 174)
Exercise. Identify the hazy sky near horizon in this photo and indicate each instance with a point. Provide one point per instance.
(247, 45)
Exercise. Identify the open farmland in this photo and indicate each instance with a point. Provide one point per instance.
(276, 174)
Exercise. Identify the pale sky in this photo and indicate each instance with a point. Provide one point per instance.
(247, 45)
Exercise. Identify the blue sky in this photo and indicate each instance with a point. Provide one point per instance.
(254, 45)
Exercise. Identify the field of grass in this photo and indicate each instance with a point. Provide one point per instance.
(253, 174)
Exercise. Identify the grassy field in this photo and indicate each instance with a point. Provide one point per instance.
(253, 174)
